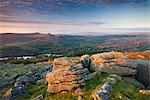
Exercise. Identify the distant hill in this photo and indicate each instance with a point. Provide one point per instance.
(14, 44)
(13, 39)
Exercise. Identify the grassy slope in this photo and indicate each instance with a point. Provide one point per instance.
(69, 45)
(123, 90)
(120, 90)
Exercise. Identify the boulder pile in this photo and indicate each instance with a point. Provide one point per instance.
(67, 75)
(22, 81)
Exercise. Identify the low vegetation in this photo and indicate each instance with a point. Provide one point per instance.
(121, 90)
(124, 90)
(28, 61)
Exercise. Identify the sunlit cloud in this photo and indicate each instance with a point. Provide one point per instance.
(72, 15)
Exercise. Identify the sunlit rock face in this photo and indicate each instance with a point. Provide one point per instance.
(67, 75)
(64, 62)
(113, 62)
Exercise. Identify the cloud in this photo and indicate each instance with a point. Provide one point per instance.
(15, 20)
(140, 28)
(27, 20)
(46, 6)
(21, 21)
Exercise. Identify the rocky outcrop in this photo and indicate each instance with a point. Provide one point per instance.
(65, 62)
(85, 60)
(102, 93)
(143, 72)
(12, 93)
(113, 62)
(22, 81)
(19, 90)
(68, 75)
(144, 92)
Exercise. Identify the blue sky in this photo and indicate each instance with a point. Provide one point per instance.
(74, 16)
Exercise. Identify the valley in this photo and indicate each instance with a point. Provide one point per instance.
(13, 44)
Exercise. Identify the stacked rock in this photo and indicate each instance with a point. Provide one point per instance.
(67, 75)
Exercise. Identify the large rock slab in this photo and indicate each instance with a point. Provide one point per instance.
(113, 62)
(143, 72)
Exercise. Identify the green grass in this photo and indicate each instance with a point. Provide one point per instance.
(28, 61)
(19, 68)
(87, 89)
(120, 90)
(123, 89)
(61, 96)
(92, 84)
(37, 89)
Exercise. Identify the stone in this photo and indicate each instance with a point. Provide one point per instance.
(105, 55)
(39, 97)
(85, 60)
(143, 72)
(69, 78)
(19, 90)
(48, 67)
(102, 93)
(42, 82)
(144, 92)
(24, 79)
(90, 76)
(15, 76)
(66, 81)
(63, 62)
(5, 81)
(96, 58)
(106, 62)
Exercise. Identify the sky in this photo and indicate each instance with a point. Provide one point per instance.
(74, 16)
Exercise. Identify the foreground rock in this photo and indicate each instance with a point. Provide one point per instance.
(21, 82)
(64, 62)
(85, 60)
(113, 62)
(68, 75)
(102, 93)
(6, 80)
(143, 73)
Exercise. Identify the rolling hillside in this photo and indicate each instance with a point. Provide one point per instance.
(13, 44)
